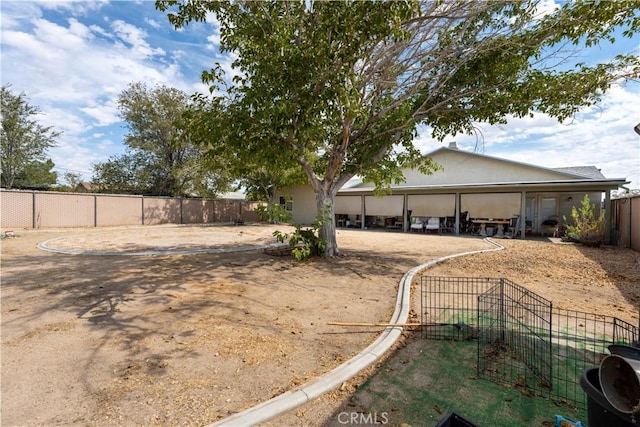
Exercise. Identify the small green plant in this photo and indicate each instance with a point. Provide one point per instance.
(305, 242)
(586, 228)
(273, 212)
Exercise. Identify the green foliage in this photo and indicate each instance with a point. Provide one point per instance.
(223, 134)
(23, 144)
(586, 228)
(37, 175)
(273, 213)
(73, 180)
(306, 241)
(128, 173)
(337, 89)
(161, 158)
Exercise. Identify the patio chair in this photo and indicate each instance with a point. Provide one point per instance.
(417, 224)
(550, 226)
(432, 223)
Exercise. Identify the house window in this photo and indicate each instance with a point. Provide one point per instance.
(287, 202)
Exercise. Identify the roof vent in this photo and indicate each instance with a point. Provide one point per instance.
(453, 145)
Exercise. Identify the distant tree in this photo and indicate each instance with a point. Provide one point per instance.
(621, 194)
(24, 143)
(339, 88)
(160, 157)
(72, 181)
(261, 183)
(37, 175)
(128, 173)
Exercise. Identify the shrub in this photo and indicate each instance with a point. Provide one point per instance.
(586, 228)
(306, 242)
(273, 213)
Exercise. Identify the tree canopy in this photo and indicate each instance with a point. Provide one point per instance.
(161, 158)
(338, 88)
(24, 143)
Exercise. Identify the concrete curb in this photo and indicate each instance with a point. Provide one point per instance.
(331, 380)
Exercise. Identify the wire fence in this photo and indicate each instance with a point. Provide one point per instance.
(523, 341)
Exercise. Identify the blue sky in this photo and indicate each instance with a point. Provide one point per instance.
(72, 59)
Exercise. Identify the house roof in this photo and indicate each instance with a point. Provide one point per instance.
(468, 170)
(233, 195)
(585, 171)
(575, 171)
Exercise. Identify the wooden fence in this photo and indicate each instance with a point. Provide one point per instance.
(625, 218)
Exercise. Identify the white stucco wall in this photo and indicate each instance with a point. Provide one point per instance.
(304, 203)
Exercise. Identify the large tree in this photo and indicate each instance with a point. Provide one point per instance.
(24, 143)
(161, 158)
(338, 88)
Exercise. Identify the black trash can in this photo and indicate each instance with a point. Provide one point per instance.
(454, 420)
(600, 413)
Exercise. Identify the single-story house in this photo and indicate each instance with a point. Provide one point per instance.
(473, 193)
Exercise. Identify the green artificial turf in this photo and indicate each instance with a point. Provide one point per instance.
(427, 379)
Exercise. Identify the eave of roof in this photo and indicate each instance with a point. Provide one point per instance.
(603, 184)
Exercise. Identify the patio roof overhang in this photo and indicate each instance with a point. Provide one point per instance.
(530, 186)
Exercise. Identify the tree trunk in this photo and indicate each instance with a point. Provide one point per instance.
(327, 232)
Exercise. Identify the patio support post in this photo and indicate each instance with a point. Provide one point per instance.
(363, 211)
(523, 213)
(607, 217)
(405, 221)
(457, 213)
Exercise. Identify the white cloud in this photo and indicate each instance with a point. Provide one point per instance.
(74, 70)
(104, 114)
(600, 136)
(546, 7)
(73, 7)
(152, 23)
(135, 37)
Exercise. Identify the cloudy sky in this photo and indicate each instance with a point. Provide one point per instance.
(72, 59)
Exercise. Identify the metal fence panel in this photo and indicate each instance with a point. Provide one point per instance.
(161, 210)
(449, 305)
(28, 209)
(16, 209)
(118, 210)
(197, 211)
(514, 336)
(227, 211)
(523, 341)
(64, 210)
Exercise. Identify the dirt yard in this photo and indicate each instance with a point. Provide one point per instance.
(189, 339)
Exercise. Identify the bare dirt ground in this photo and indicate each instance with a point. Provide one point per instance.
(189, 339)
